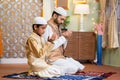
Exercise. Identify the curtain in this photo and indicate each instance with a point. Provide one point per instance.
(109, 19)
(112, 30)
(103, 21)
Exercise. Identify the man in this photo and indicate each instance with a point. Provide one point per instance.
(53, 33)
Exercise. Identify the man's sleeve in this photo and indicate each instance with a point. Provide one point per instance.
(48, 33)
(58, 42)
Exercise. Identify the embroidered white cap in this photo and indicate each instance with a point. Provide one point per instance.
(61, 11)
(40, 20)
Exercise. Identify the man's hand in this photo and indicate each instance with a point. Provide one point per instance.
(52, 38)
(67, 34)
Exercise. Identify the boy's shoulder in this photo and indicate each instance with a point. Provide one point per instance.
(34, 36)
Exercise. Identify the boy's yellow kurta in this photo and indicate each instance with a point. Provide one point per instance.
(37, 51)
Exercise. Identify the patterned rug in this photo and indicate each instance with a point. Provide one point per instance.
(77, 76)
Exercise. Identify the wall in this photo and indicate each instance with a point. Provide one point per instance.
(89, 19)
(16, 18)
(111, 57)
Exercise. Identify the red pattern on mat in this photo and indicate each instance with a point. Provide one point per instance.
(90, 73)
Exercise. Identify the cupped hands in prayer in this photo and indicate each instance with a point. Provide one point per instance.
(67, 34)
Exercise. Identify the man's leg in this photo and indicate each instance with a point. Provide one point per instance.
(67, 66)
(78, 64)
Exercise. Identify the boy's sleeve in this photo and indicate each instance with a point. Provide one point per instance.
(33, 45)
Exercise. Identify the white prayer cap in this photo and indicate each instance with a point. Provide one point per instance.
(61, 11)
(39, 20)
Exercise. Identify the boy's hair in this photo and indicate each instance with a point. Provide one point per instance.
(36, 25)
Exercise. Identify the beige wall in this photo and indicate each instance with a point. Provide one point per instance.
(16, 17)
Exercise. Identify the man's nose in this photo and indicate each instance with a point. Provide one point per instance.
(62, 22)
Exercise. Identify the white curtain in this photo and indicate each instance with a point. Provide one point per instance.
(109, 19)
(112, 26)
(48, 7)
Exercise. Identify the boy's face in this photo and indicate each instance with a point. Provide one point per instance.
(40, 30)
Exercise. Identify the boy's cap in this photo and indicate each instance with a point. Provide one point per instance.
(61, 11)
(39, 20)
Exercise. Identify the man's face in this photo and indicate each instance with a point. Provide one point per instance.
(59, 20)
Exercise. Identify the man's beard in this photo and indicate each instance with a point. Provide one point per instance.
(56, 21)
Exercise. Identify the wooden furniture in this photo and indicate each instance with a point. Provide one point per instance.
(82, 46)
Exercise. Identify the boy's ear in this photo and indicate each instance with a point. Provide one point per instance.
(35, 27)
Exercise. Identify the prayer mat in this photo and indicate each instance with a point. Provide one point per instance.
(78, 76)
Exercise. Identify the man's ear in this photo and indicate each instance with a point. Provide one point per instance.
(55, 15)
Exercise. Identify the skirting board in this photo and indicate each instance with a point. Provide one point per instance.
(13, 60)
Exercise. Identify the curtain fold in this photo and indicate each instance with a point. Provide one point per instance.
(112, 30)
(103, 21)
(108, 17)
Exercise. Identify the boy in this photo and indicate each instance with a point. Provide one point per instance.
(37, 51)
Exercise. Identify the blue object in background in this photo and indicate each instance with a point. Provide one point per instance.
(99, 49)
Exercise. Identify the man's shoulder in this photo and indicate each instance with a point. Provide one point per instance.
(48, 28)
